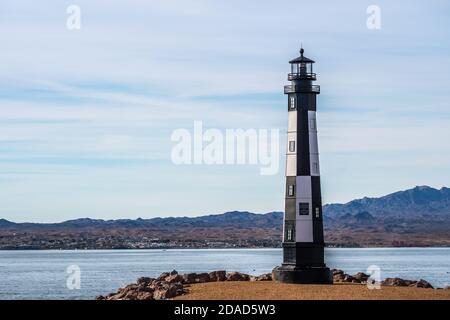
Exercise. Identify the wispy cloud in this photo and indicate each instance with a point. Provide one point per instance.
(86, 116)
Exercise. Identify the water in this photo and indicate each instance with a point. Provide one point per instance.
(42, 274)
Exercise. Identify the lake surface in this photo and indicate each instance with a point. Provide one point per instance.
(42, 274)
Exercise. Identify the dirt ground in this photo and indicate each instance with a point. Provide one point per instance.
(270, 290)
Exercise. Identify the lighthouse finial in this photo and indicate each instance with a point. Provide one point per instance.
(301, 49)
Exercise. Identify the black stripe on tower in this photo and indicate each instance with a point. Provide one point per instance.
(290, 200)
(290, 208)
(317, 210)
(303, 167)
(307, 100)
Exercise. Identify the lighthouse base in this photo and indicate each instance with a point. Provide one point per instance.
(293, 274)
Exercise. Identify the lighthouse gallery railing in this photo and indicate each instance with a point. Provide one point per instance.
(296, 88)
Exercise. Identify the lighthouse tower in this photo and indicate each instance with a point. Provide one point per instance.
(303, 243)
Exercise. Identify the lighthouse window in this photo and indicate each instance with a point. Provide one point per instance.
(313, 124)
(291, 146)
(292, 103)
(291, 190)
(303, 208)
(289, 235)
(317, 212)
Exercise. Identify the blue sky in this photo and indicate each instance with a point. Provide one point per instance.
(86, 116)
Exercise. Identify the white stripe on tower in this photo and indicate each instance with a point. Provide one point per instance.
(313, 145)
(291, 157)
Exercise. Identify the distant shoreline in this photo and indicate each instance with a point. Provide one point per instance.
(224, 248)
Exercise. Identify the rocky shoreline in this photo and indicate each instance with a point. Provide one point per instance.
(172, 284)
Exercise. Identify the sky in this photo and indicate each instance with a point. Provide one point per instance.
(86, 115)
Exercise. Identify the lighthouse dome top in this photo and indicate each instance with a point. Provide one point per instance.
(302, 58)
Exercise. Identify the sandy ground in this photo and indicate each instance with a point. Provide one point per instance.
(269, 290)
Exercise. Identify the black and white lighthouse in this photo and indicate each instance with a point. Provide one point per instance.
(303, 242)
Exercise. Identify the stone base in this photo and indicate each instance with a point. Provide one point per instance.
(292, 274)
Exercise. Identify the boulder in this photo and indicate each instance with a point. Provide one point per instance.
(263, 277)
(422, 284)
(145, 296)
(397, 282)
(349, 278)
(156, 284)
(115, 296)
(130, 295)
(220, 275)
(361, 277)
(189, 278)
(148, 288)
(163, 276)
(237, 276)
(337, 271)
(130, 287)
(165, 293)
(201, 278)
(143, 288)
(338, 275)
(174, 278)
(145, 280)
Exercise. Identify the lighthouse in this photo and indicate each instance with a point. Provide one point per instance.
(303, 241)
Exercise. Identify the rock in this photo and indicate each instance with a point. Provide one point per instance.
(173, 272)
(220, 275)
(263, 277)
(237, 276)
(174, 278)
(145, 280)
(116, 296)
(189, 278)
(131, 295)
(163, 276)
(393, 282)
(349, 278)
(143, 288)
(361, 277)
(202, 277)
(165, 293)
(156, 284)
(131, 287)
(338, 275)
(337, 271)
(422, 284)
(145, 296)
(100, 297)
(397, 282)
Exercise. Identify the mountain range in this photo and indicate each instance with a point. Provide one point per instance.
(414, 217)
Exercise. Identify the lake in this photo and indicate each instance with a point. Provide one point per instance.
(42, 274)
